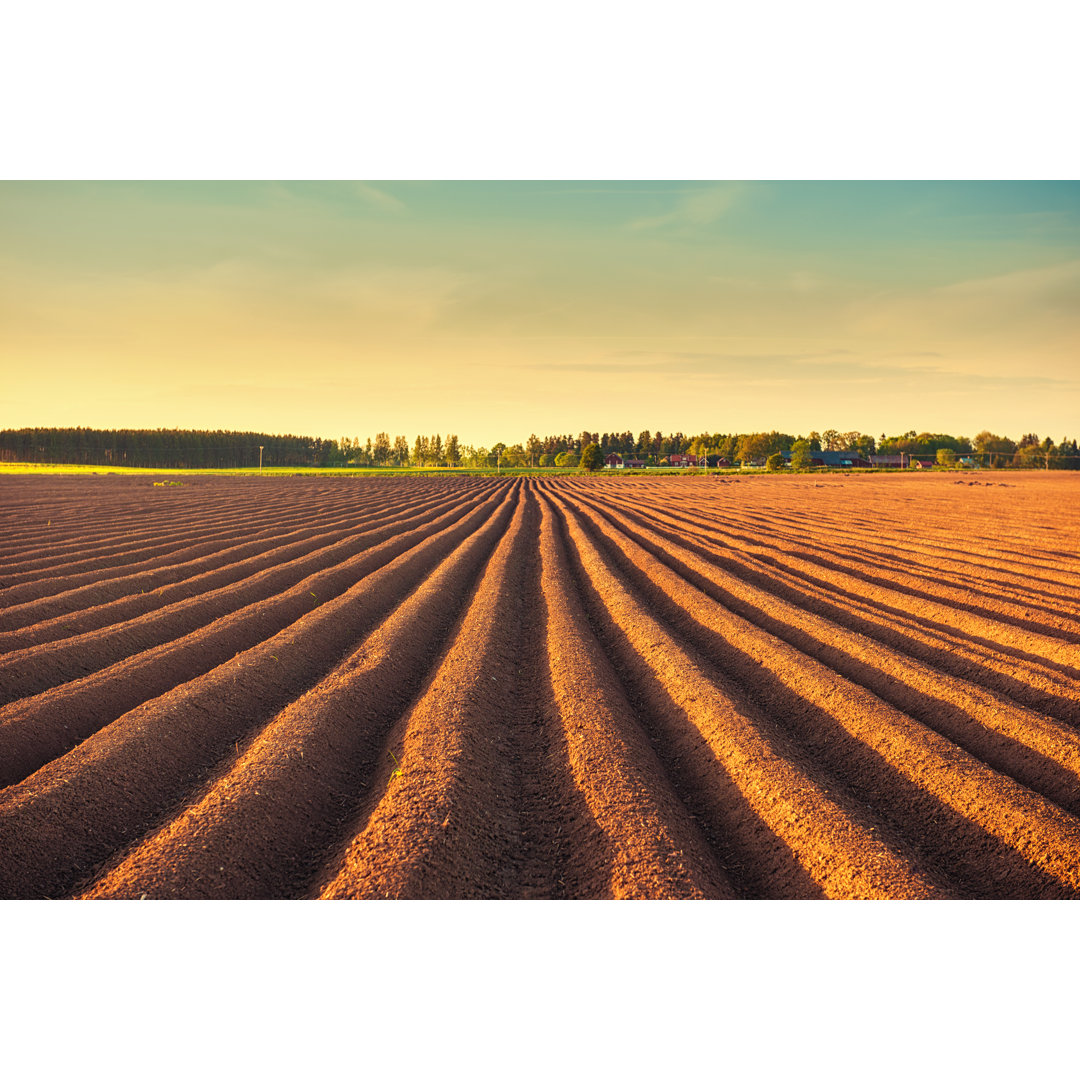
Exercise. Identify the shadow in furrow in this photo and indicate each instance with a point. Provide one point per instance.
(1025, 764)
(484, 806)
(38, 729)
(654, 847)
(70, 816)
(262, 828)
(757, 862)
(1062, 706)
(956, 849)
(319, 574)
(68, 615)
(807, 553)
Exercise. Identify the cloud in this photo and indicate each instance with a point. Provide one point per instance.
(378, 198)
(680, 363)
(1003, 315)
(1053, 286)
(696, 208)
(806, 373)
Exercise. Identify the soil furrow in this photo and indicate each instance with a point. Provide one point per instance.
(1056, 636)
(798, 839)
(59, 824)
(892, 605)
(284, 799)
(33, 670)
(89, 554)
(656, 848)
(1032, 748)
(60, 594)
(482, 804)
(38, 729)
(1031, 846)
(444, 686)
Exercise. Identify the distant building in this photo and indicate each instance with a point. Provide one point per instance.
(889, 461)
(613, 461)
(633, 463)
(834, 459)
(684, 461)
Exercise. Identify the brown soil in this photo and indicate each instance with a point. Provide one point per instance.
(791, 687)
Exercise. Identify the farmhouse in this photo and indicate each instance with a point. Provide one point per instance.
(617, 461)
(888, 461)
(683, 461)
(834, 459)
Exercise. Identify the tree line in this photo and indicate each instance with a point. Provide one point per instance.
(181, 448)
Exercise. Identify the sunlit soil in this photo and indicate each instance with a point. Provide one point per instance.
(434, 687)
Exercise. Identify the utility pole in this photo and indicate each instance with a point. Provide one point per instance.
(260, 460)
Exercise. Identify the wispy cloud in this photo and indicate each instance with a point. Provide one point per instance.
(1004, 311)
(378, 198)
(698, 208)
(1045, 284)
(662, 359)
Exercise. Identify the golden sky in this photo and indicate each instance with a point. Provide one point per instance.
(497, 309)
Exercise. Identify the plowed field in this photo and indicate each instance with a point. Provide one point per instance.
(789, 687)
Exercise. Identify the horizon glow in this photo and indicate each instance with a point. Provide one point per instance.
(498, 309)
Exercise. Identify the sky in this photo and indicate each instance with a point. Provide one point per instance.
(497, 309)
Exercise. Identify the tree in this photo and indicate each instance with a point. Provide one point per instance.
(401, 450)
(865, 445)
(758, 445)
(1028, 454)
(534, 447)
(382, 448)
(747, 450)
(592, 458)
(802, 455)
(453, 453)
(947, 457)
(995, 446)
(774, 462)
